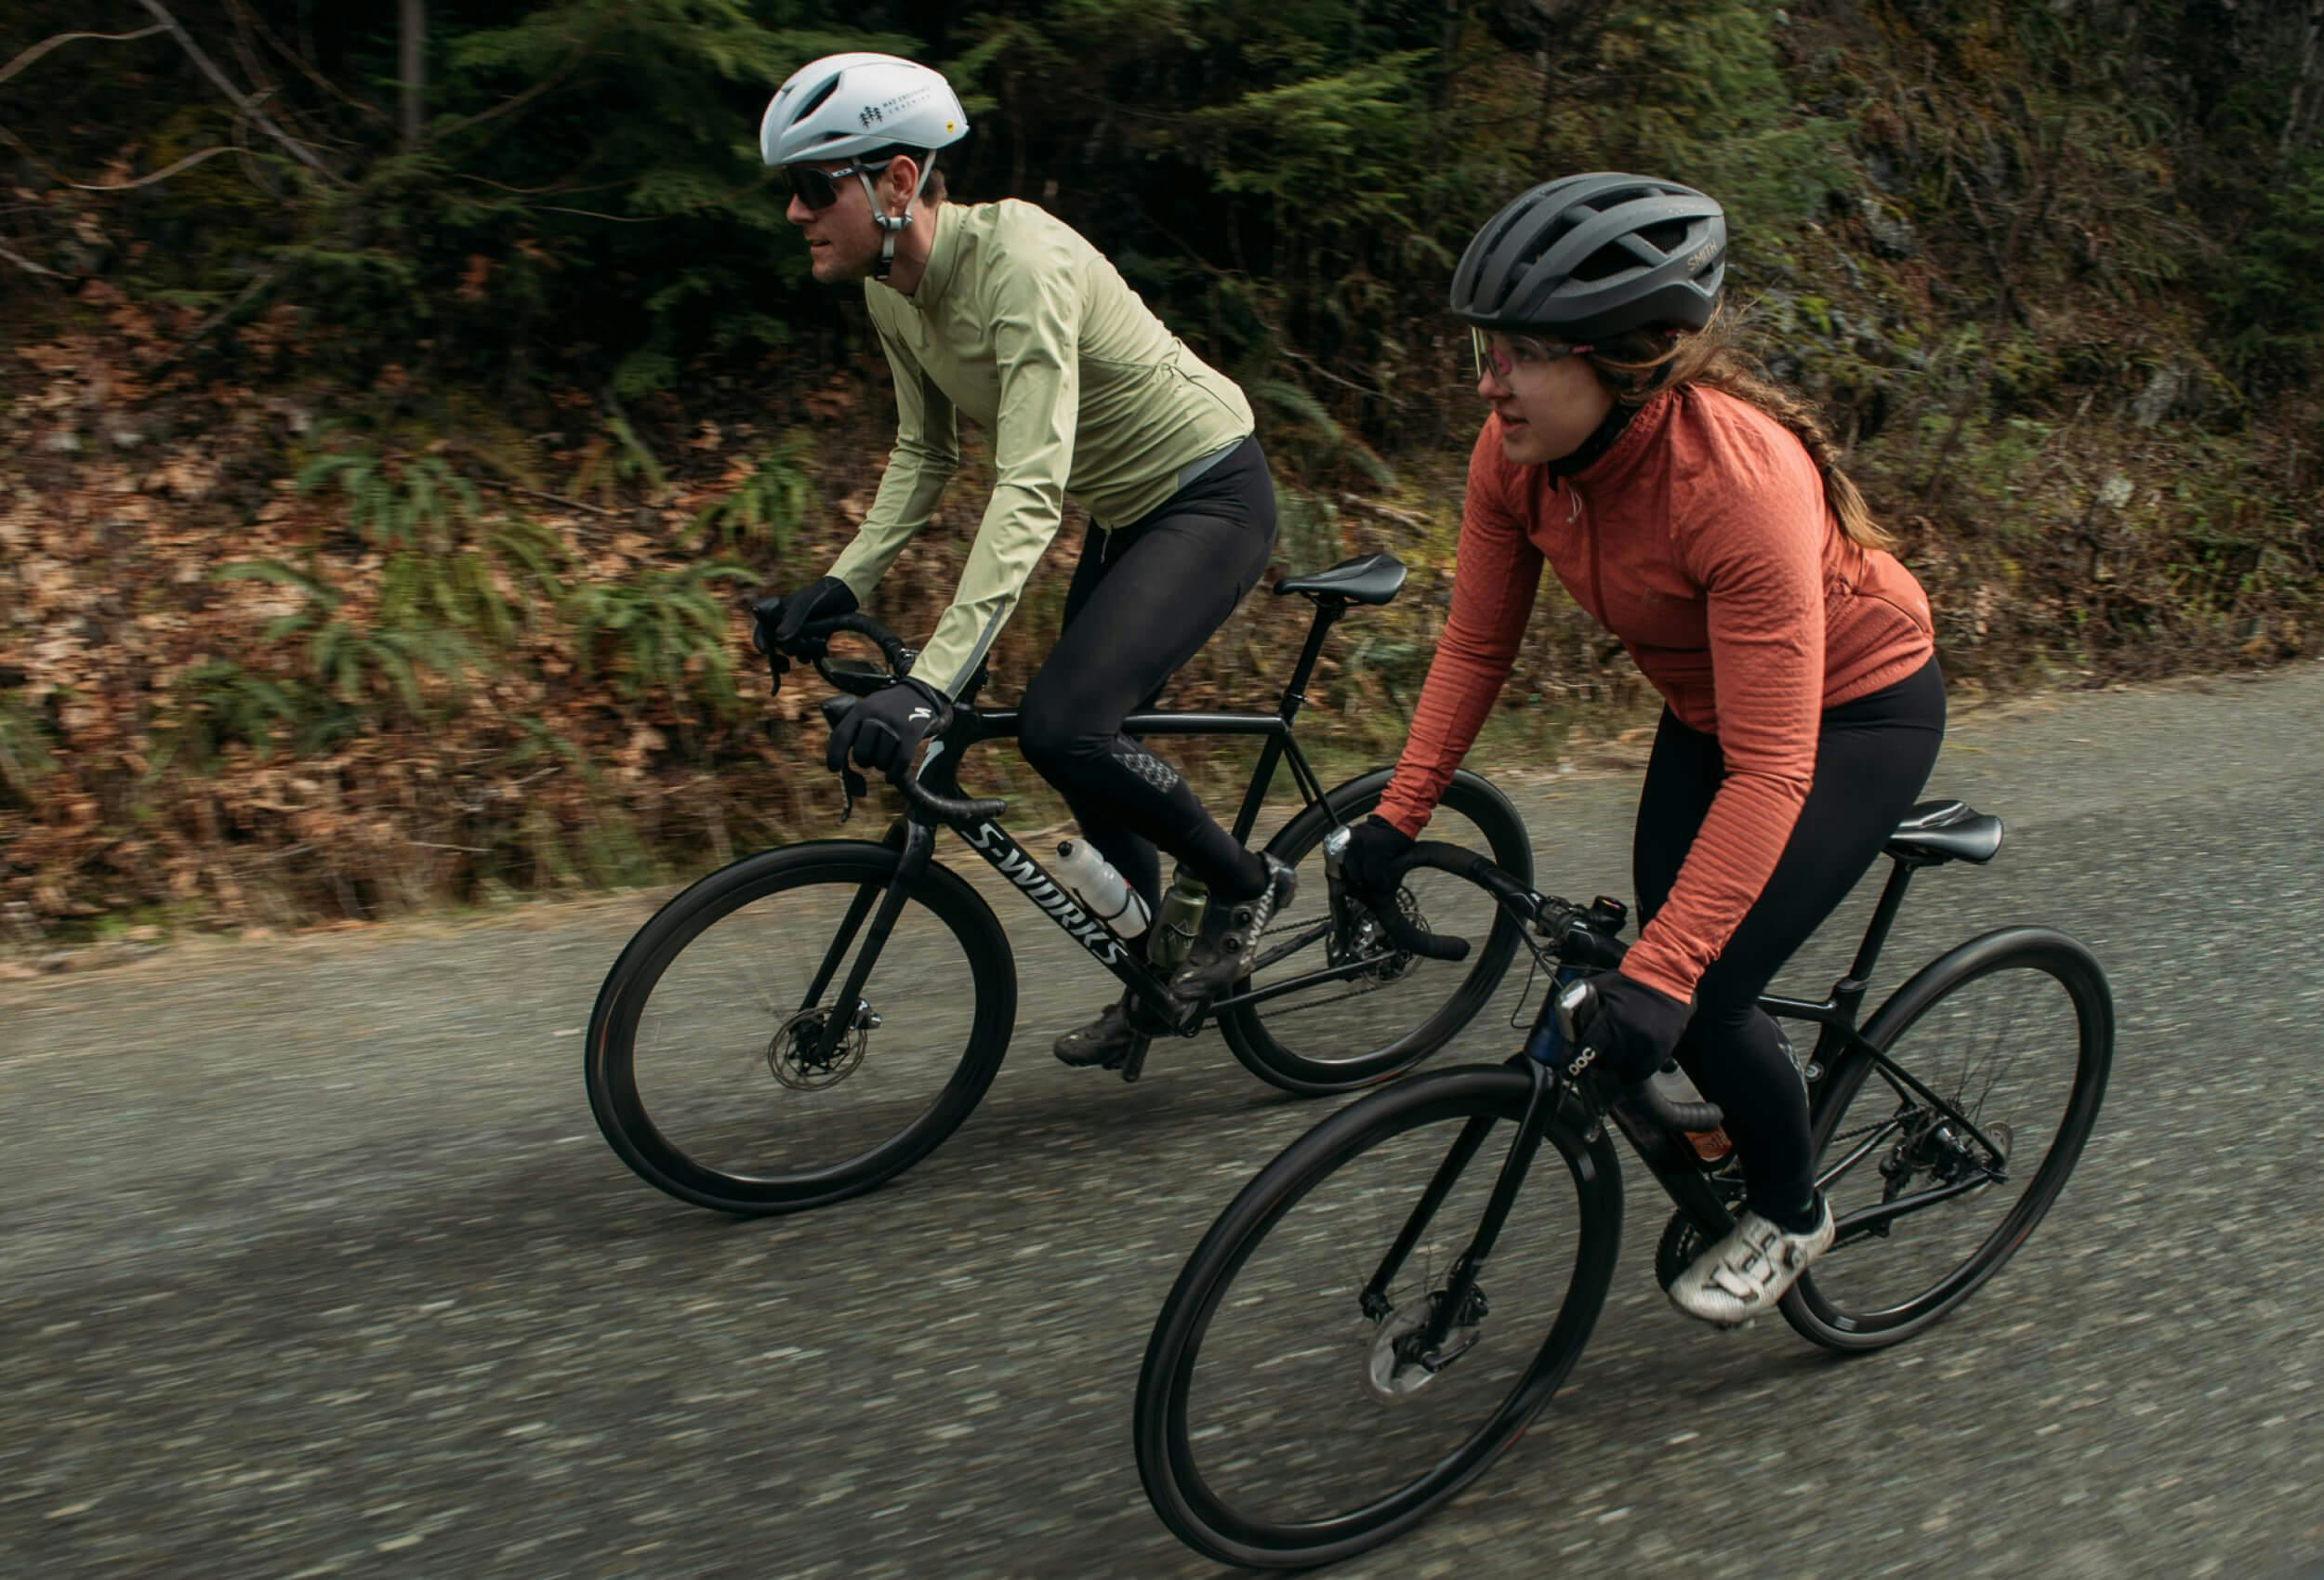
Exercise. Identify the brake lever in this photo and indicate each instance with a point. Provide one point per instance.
(851, 787)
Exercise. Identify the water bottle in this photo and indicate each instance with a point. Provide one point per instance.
(1103, 892)
(1712, 1146)
(1174, 933)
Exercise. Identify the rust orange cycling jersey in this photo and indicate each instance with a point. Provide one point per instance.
(1701, 540)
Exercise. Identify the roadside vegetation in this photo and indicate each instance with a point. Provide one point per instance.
(401, 408)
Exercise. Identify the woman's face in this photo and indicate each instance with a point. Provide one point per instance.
(1546, 394)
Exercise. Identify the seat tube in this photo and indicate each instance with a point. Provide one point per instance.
(1884, 918)
(1294, 694)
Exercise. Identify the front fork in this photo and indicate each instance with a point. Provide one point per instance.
(918, 841)
(1461, 1297)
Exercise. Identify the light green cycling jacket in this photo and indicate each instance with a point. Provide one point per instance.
(1024, 328)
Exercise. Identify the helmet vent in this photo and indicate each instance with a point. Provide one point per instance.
(1595, 254)
(817, 102)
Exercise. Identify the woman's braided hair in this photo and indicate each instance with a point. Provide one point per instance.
(1643, 362)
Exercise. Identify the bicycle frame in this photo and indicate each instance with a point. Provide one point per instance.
(938, 802)
(1838, 1033)
(1662, 1146)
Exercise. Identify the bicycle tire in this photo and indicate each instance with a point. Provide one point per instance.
(1184, 1497)
(1818, 1307)
(610, 1055)
(1267, 1055)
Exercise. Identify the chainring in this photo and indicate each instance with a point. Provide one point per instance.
(1681, 1243)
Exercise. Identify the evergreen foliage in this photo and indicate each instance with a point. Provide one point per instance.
(390, 462)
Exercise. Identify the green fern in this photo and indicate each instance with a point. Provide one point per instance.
(763, 510)
(25, 741)
(396, 502)
(1314, 436)
(662, 630)
(359, 676)
(218, 704)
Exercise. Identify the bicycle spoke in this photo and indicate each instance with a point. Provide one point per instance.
(1856, 1154)
(1308, 1435)
(729, 1088)
(1379, 1009)
(1959, 1114)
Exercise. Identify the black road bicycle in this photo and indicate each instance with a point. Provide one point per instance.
(738, 1068)
(1388, 1304)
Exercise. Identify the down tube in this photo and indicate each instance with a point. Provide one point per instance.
(1049, 897)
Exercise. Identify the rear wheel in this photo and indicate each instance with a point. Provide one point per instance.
(1338, 1035)
(1283, 1421)
(709, 1066)
(1935, 1181)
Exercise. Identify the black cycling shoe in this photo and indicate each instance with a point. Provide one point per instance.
(1107, 1042)
(1228, 942)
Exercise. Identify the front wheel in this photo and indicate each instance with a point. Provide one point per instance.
(712, 1066)
(1941, 1155)
(1338, 1035)
(1284, 1420)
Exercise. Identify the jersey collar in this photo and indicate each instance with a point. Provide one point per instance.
(943, 259)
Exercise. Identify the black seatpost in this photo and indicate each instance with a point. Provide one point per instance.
(1327, 612)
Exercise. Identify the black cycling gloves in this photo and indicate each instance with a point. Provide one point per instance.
(777, 622)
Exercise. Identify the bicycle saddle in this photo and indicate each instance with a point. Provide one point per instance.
(1370, 578)
(1945, 831)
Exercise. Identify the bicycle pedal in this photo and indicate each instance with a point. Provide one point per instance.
(1134, 1063)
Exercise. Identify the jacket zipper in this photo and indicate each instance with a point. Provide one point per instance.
(1597, 584)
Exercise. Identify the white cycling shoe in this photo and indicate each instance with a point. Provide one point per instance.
(1743, 1275)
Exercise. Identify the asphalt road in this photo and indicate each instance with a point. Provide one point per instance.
(312, 1261)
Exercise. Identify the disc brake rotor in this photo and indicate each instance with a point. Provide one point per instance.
(795, 1056)
(1391, 1373)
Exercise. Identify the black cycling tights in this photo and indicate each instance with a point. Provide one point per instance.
(1144, 598)
(1872, 757)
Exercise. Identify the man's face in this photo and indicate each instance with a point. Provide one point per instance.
(842, 241)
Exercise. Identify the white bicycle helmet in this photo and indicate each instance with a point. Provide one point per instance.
(844, 106)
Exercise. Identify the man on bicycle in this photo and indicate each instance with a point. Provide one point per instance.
(1002, 312)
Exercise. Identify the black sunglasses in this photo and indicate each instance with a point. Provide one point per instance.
(818, 187)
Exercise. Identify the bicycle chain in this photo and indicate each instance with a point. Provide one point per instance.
(1302, 1008)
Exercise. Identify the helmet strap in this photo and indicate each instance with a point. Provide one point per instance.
(893, 225)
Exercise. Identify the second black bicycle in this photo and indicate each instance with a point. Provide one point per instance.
(1391, 1303)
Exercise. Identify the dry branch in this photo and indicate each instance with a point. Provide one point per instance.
(297, 150)
(46, 44)
(30, 266)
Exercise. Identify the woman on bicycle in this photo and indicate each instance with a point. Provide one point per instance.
(1003, 313)
(1695, 511)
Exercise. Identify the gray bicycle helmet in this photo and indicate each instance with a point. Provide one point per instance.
(1594, 256)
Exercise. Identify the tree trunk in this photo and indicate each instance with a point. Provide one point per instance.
(1447, 54)
(2304, 83)
(413, 67)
